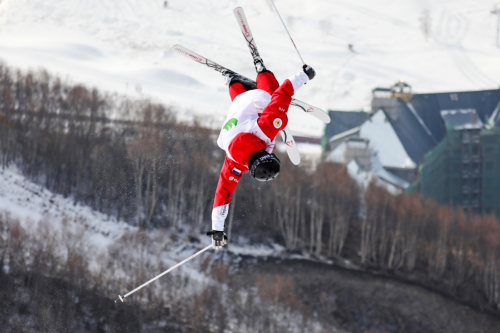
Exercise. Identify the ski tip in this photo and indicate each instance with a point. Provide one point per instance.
(295, 158)
(237, 9)
(322, 115)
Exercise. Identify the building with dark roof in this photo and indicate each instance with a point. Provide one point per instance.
(420, 123)
(342, 121)
(429, 107)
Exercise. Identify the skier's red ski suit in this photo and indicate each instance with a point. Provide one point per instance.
(254, 119)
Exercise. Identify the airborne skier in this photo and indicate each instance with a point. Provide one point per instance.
(257, 114)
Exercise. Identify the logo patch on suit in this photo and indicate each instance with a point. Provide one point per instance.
(230, 123)
(236, 172)
(277, 122)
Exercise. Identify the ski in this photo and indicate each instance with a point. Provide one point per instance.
(309, 109)
(254, 52)
(288, 140)
(202, 60)
(247, 34)
(312, 110)
(290, 146)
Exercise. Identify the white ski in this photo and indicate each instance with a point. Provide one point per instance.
(247, 33)
(290, 146)
(308, 108)
(202, 60)
(312, 110)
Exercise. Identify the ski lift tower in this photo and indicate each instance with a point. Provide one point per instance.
(496, 11)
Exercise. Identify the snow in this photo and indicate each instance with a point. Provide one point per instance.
(363, 177)
(31, 204)
(382, 178)
(385, 141)
(461, 119)
(338, 154)
(123, 46)
(308, 151)
(243, 248)
(96, 233)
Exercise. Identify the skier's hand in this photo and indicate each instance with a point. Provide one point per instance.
(219, 239)
(309, 71)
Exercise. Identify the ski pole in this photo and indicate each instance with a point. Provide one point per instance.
(122, 298)
(288, 33)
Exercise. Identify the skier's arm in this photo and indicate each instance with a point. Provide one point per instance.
(230, 175)
(274, 117)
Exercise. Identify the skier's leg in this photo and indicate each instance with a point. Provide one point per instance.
(238, 85)
(235, 90)
(267, 81)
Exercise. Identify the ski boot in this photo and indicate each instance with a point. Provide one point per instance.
(259, 66)
(232, 78)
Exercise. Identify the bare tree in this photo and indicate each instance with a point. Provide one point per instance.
(439, 246)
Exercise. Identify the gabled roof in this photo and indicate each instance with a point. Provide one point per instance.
(411, 139)
(345, 134)
(413, 135)
(386, 141)
(342, 121)
(419, 123)
(429, 106)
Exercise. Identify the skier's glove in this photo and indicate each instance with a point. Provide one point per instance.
(309, 71)
(219, 239)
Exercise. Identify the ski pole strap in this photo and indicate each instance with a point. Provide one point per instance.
(160, 275)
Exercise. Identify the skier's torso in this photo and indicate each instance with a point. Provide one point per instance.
(242, 118)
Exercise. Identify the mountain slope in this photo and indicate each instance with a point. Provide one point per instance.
(124, 46)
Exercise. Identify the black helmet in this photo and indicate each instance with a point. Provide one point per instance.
(264, 166)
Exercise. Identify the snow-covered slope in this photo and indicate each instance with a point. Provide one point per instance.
(124, 46)
(31, 203)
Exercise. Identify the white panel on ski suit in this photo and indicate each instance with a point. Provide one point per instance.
(245, 109)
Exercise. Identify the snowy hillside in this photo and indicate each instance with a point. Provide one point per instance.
(33, 204)
(123, 46)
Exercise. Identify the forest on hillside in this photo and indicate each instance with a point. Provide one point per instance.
(145, 168)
